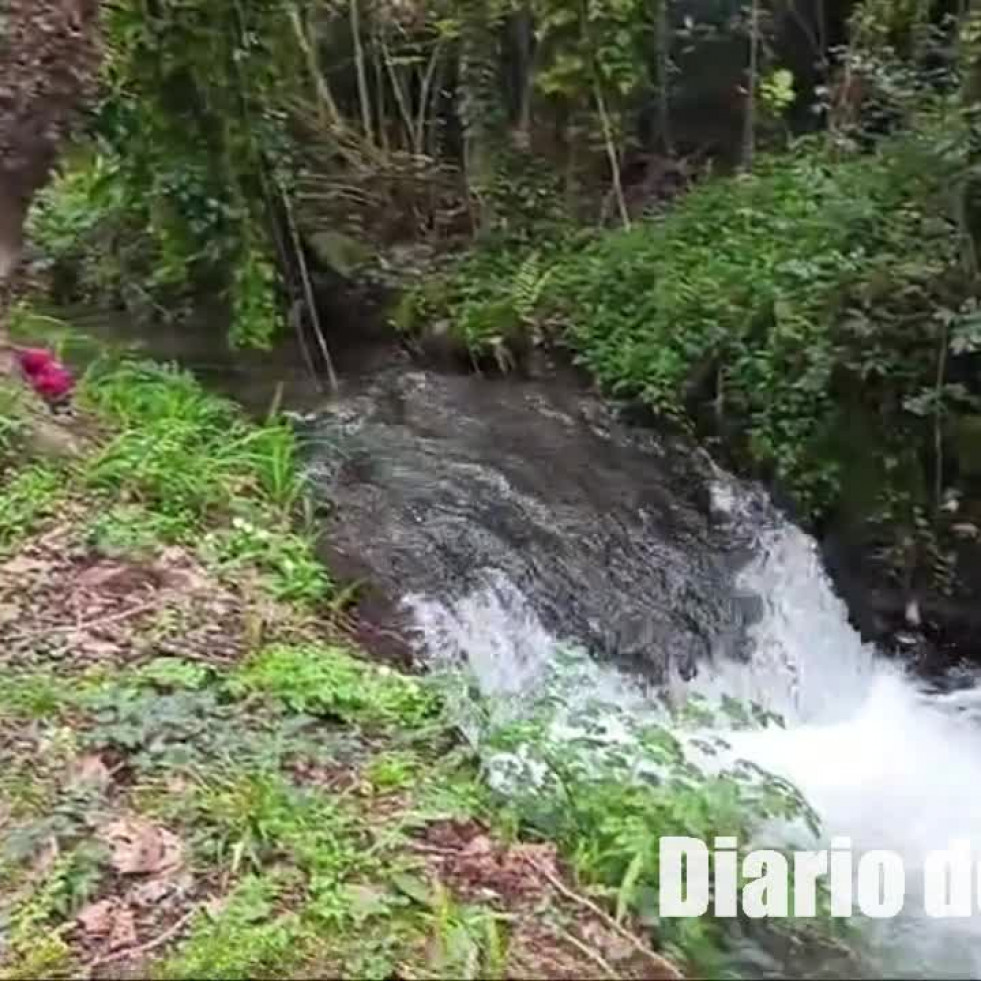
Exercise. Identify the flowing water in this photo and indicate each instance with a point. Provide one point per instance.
(512, 520)
(886, 761)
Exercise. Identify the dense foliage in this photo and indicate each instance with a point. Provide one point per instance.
(606, 781)
(813, 308)
(230, 137)
(174, 191)
(769, 303)
(807, 301)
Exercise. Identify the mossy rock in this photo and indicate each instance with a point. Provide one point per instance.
(338, 252)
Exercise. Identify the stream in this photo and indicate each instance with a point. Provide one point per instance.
(506, 521)
(513, 519)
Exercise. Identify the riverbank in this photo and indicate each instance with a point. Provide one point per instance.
(812, 323)
(201, 776)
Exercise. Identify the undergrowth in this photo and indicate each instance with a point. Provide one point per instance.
(606, 782)
(27, 498)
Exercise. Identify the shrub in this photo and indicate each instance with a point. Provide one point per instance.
(764, 305)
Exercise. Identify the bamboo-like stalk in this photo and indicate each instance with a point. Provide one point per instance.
(326, 104)
(397, 90)
(364, 96)
(528, 56)
(380, 106)
(308, 296)
(419, 133)
(611, 151)
(938, 420)
(662, 68)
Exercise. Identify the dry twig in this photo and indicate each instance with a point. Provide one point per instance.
(666, 970)
(133, 952)
(73, 628)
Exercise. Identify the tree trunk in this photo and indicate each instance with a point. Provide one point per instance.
(479, 108)
(611, 152)
(966, 190)
(47, 59)
(662, 67)
(749, 119)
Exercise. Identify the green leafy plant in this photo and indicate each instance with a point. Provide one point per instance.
(606, 780)
(330, 681)
(35, 695)
(183, 454)
(13, 423)
(468, 942)
(256, 316)
(132, 531)
(758, 308)
(287, 560)
(394, 770)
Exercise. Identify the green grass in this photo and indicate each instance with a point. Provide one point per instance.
(131, 531)
(30, 496)
(305, 877)
(294, 776)
(187, 466)
(183, 452)
(13, 418)
(33, 696)
(286, 559)
(246, 938)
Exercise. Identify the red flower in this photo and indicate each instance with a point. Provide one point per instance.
(49, 379)
(53, 383)
(34, 360)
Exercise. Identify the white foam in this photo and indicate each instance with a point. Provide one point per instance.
(880, 759)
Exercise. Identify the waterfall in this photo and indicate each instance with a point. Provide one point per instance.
(884, 760)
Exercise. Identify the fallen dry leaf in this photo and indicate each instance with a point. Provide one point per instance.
(118, 578)
(183, 580)
(613, 946)
(23, 565)
(140, 848)
(542, 854)
(481, 845)
(90, 769)
(96, 650)
(123, 932)
(110, 919)
(96, 918)
(150, 894)
(9, 613)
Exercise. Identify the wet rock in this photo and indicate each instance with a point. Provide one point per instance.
(441, 481)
